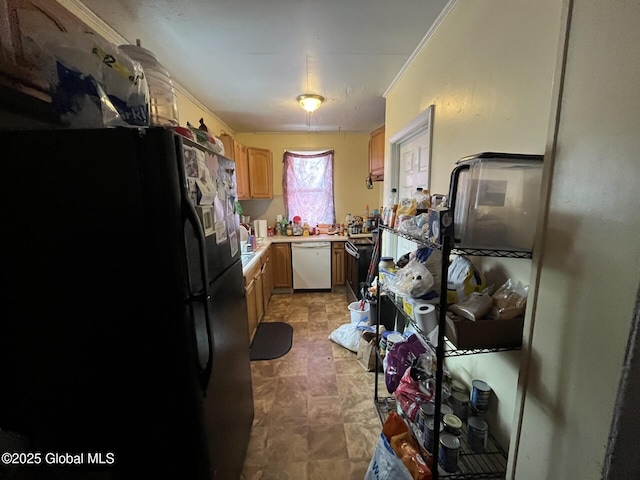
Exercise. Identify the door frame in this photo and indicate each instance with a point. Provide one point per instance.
(422, 122)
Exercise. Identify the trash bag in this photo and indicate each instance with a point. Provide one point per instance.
(348, 335)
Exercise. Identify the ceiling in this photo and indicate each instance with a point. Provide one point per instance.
(248, 60)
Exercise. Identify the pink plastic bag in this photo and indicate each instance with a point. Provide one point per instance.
(409, 395)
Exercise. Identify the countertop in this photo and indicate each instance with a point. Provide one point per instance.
(250, 260)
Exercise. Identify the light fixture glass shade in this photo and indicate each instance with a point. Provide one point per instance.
(310, 102)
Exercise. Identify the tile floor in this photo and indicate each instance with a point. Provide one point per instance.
(315, 417)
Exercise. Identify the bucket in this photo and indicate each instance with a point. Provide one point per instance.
(358, 315)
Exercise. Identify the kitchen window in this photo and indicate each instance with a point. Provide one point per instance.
(307, 182)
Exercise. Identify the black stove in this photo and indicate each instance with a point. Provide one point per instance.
(361, 241)
(358, 259)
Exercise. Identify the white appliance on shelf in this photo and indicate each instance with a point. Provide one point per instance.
(311, 264)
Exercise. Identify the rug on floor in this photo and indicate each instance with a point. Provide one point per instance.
(272, 340)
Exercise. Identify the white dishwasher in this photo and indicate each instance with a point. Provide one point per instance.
(311, 264)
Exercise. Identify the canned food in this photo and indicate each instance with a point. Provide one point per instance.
(428, 433)
(460, 405)
(445, 410)
(383, 342)
(480, 394)
(424, 413)
(449, 452)
(452, 424)
(477, 435)
(392, 339)
(459, 386)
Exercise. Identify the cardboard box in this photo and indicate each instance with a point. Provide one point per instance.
(440, 221)
(465, 333)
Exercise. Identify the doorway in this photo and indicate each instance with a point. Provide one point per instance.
(409, 168)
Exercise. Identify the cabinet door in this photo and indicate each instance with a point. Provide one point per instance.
(250, 292)
(281, 264)
(260, 172)
(242, 171)
(376, 155)
(259, 293)
(22, 23)
(266, 280)
(337, 265)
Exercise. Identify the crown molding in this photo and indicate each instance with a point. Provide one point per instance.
(445, 11)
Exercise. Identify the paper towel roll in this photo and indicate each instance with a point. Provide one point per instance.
(425, 317)
(260, 228)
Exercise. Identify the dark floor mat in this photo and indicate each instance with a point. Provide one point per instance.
(272, 340)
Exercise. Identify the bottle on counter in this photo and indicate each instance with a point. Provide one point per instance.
(366, 213)
(289, 229)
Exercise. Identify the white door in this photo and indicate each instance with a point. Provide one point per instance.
(409, 167)
(414, 164)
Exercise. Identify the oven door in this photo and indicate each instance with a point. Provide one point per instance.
(351, 274)
(357, 264)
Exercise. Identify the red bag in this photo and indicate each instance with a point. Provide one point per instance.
(409, 395)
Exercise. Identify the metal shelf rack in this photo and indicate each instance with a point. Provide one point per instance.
(492, 463)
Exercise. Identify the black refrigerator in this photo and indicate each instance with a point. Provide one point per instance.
(123, 328)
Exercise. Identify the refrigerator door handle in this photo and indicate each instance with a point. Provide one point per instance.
(203, 297)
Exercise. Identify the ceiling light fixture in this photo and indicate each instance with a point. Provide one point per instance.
(310, 102)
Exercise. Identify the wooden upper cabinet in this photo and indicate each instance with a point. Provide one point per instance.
(376, 155)
(254, 168)
(242, 171)
(260, 172)
(238, 153)
(22, 22)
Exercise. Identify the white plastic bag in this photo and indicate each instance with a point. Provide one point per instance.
(413, 280)
(93, 83)
(385, 464)
(348, 335)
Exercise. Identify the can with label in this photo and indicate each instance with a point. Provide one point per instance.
(477, 435)
(449, 452)
(425, 412)
(428, 433)
(480, 394)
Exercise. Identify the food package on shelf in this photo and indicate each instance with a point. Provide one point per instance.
(463, 279)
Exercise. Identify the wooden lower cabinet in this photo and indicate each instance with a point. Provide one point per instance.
(281, 265)
(258, 284)
(250, 292)
(338, 273)
(257, 279)
(267, 278)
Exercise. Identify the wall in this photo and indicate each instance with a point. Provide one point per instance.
(351, 167)
(488, 69)
(190, 110)
(588, 271)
